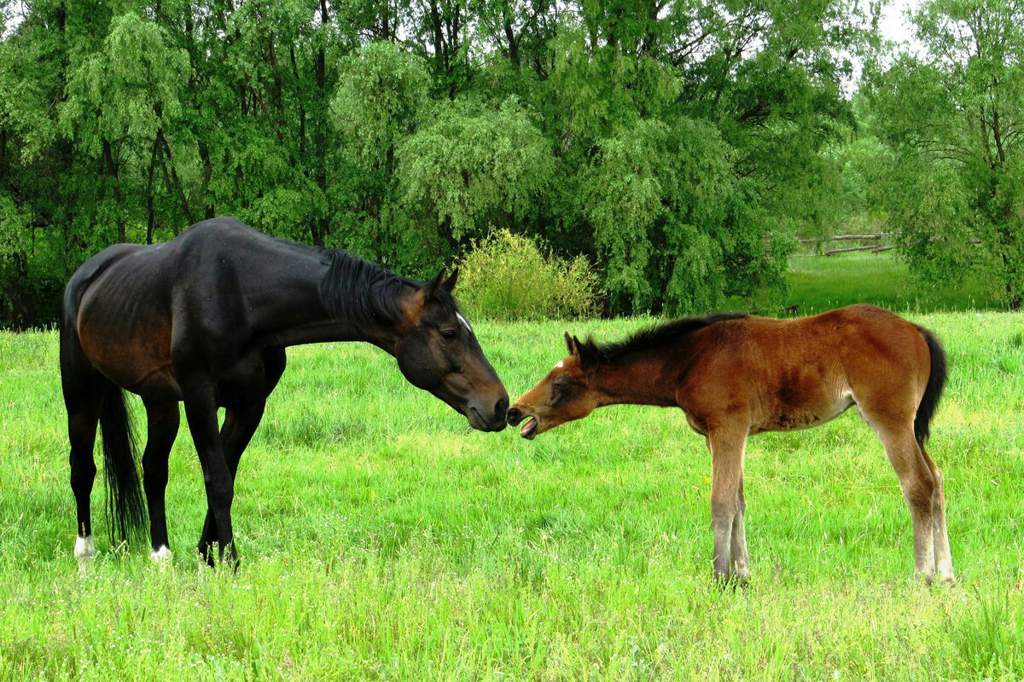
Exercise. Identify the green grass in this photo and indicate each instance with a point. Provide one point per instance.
(382, 538)
(818, 283)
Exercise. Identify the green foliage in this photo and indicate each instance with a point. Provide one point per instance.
(952, 117)
(677, 148)
(674, 226)
(382, 91)
(507, 277)
(470, 167)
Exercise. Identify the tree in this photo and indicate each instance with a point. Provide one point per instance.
(953, 118)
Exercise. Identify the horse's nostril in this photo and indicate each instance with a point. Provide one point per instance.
(500, 408)
(514, 416)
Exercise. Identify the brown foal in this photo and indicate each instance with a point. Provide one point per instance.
(735, 375)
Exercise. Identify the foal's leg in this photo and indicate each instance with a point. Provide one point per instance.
(239, 426)
(943, 558)
(201, 414)
(738, 549)
(919, 489)
(162, 419)
(726, 476)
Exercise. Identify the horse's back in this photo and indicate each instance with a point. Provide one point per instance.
(136, 310)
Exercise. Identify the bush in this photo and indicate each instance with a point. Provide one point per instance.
(508, 277)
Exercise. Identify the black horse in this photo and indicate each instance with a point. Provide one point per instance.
(205, 319)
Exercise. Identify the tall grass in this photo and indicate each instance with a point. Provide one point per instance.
(381, 538)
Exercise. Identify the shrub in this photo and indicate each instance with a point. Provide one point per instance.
(508, 277)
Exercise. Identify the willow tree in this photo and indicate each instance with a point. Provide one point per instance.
(953, 118)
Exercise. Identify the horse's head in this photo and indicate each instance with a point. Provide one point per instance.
(564, 395)
(438, 352)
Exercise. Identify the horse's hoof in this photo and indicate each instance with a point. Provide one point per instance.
(84, 549)
(161, 556)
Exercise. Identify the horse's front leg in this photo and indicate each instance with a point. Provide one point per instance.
(726, 445)
(239, 426)
(201, 413)
(738, 547)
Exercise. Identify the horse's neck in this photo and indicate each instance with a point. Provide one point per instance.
(642, 378)
(296, 315)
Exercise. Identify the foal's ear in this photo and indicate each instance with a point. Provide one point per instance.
(586, 350)
(570, 344)
(449, 284)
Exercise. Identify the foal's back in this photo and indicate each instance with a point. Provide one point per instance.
(778, 375)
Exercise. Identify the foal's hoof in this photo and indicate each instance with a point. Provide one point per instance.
(732, 581)
(933, 579)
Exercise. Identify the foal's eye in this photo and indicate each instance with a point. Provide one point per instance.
(561, 388)
(449, 333)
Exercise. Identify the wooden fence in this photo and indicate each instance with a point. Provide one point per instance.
(877, 247)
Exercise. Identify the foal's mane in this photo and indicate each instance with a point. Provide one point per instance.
(654, 337)
(358, 290)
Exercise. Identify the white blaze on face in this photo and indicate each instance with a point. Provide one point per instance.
(560, 365)
(464, 322)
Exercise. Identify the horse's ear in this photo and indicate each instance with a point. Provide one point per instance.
(449, 284)
(431, 288)
(570, 344)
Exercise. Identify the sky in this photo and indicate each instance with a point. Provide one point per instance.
(894, 24)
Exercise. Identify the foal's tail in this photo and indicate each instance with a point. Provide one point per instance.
(933, 391)
(125, 509)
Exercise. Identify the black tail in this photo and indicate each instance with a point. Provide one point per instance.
(125, 509)
(933, 391)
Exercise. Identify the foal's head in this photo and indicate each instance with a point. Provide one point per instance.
(438, 352)
(565, 394)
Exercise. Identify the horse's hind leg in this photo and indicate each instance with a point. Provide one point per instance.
(162, 418)
(943, 557)
(83, 396)
(83, 416)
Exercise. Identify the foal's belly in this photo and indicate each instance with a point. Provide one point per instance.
(790, 417)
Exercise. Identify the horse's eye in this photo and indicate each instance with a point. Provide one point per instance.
(449, 333)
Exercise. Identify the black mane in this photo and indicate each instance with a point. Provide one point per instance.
(650, 338)
(358, 290)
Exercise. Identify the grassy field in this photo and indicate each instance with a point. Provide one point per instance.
(382, 538)
(817, 283)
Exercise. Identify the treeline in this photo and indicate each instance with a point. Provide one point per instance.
(674, 144)
(679, 147)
